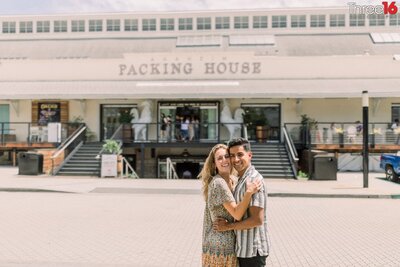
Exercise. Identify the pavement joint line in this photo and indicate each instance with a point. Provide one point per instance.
(33, 190)
(146, 190)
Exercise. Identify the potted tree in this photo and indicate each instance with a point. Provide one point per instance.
(109, 158)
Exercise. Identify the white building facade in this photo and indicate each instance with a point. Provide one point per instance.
(280, 62)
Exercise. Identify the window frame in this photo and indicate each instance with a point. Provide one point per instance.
(260, 22)
(241, 22)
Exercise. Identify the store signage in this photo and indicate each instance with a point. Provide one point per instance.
(178, 68)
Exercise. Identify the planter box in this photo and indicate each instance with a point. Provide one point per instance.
(109, 165)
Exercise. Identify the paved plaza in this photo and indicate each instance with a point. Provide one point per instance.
(81, 221)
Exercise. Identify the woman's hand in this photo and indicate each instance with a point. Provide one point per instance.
(255, 186)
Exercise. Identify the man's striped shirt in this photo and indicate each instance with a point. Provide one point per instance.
(251, 241)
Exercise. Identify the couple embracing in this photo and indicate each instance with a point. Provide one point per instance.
(235, 226)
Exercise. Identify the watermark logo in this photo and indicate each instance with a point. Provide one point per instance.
(386, 8)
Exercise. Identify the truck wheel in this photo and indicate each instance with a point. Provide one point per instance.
(390, 174)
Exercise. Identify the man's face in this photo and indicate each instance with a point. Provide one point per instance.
(240, 158)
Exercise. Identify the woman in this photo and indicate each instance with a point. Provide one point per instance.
(217, 178)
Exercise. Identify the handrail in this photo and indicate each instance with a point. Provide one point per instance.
(171, 172)
(62, 147)
(292, 150)
(112, 138)
(128, 167)
(293, 157)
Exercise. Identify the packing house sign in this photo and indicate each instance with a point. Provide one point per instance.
(203, 66)
(178, 68)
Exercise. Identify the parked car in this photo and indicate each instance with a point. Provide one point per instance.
(391, 164)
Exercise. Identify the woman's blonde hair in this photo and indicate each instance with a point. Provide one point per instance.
(209, 169)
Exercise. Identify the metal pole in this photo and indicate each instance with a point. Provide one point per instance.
(365, 104)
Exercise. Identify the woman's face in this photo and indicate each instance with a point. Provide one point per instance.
(222, 161)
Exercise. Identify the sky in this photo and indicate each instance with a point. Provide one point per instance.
(23, 7)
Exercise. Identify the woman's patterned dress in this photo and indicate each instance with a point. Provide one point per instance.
(218, 247)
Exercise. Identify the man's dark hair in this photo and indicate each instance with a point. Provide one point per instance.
(239, 142)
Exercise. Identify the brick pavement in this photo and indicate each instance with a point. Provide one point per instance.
(113, 229)
(117, 222)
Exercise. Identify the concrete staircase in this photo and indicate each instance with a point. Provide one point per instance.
(272, 160)
(83, 162)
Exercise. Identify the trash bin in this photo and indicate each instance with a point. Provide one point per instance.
(30, 163)
(325, 167)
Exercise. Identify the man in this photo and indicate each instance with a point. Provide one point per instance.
(251, 233)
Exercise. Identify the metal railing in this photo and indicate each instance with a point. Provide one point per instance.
(67, 148)
(293, 156)
(341, 134)
(30, 133)
(151, 132)
(127, 170)
(171, 172)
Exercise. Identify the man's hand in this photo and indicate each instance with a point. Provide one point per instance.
(221, 225)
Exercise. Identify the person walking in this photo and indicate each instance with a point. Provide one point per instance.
(217, 179)
(252, 246)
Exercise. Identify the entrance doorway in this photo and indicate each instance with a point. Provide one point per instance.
(187, 170)
(190, 121)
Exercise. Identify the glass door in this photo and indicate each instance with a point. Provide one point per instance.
(209, 123)
(263, 122)
(4, 118)
(112, 116)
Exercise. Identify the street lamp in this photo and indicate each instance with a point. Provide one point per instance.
(365, 104)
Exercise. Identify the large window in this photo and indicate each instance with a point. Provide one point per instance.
(185, 24)
(60, 26)
(167, 24)
(131, 25)
(337, 20)
(279, 22)
(204, 23)
(113, 25)
(260, 22)
(376, 20)
(317, 21)
(78, 26)
(241, 22)
(43, 26)
(149, 25)
(395, 112)
(25, 26)
(8, 27)
(298, 21)
(357, 20)
(222, 23)
(394, 20)
(95, 25)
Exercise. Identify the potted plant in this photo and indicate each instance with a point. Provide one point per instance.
(109, 158)
(112, 147)
(308, 124)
